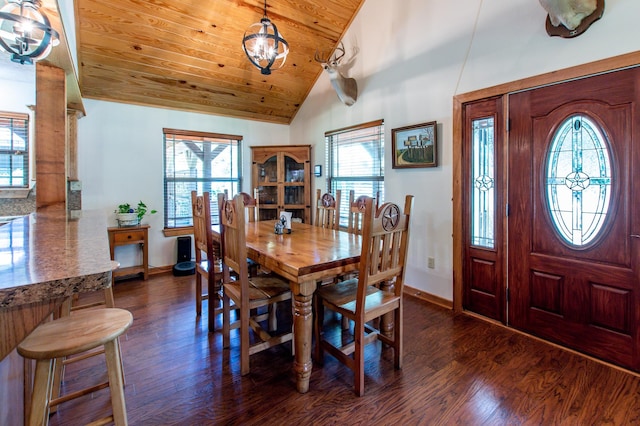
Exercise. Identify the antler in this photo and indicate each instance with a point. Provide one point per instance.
(340, 48)
(319, 56)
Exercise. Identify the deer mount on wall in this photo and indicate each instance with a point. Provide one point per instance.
(345, 87)
(570, 18)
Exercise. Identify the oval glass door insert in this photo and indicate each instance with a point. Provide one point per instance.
(578, 180)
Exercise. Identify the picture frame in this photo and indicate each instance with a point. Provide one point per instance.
(415, 146)
(317, 170)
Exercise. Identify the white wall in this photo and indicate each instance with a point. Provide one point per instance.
(120, 159)
(412, 57)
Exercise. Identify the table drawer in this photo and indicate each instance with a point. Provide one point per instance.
(123, 237)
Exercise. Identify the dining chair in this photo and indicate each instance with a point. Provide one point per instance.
(207, 254)
(328, 210)
(385, 238)
(248, 294)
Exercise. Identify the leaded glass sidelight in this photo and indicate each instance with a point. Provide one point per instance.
(483, 177)
(578, 180)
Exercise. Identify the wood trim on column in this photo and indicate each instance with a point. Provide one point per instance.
(50, 137)
(72, 144)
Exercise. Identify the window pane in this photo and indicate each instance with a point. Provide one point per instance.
(483, 176)
(578, 180)
(201, 164)
(355, 160)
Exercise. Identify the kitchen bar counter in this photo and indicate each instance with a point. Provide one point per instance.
(44, 258)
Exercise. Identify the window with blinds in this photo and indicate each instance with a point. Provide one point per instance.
(355, 161)
(204, 162)
(14, 150)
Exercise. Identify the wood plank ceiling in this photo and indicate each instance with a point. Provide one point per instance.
(187, 55)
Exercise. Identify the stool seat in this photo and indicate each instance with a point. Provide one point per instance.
(74, 334)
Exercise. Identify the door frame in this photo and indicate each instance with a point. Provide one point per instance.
(566, 74)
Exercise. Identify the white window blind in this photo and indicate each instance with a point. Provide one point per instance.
(355, 158)
(14, 150)
(204, 162)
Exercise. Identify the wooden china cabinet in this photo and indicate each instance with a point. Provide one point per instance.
(282, 175)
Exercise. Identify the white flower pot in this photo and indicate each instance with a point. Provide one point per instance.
(127, 219)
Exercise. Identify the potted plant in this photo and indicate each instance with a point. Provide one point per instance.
(130, 216)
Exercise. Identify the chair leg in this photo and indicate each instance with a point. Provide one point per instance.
(211, 291)
(116, 385)
(41, 395)
(358, 367)
(273, 316)
(198, 294)
(244, 342)
(345, 323)
(397, 338)
(226, 321)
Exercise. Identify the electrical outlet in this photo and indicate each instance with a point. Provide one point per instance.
(431, 263)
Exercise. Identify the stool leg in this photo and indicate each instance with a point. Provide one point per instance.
(108, 298)
(41, 393)
(116, 385)
(111, 303)
(58, 372)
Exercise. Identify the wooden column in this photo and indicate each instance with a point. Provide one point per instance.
(50, 137)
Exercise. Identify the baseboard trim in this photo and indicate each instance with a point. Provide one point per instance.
(157, 270)
(427, 297)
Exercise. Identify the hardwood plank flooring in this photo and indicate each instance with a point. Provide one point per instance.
(457, 370)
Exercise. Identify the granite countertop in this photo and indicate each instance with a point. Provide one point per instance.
(47, 255)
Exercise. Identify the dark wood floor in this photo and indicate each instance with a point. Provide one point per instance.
(457, 370)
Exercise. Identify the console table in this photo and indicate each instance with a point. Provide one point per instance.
(121, 236)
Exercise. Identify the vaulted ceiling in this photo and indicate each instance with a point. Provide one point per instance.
(188, 55)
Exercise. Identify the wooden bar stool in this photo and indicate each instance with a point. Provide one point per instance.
(71, 305)
(80, 332)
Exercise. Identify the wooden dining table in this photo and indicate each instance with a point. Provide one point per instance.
(305, 256)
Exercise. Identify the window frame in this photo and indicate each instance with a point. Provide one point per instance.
(343, 137)
(25, 153)
(234, 183)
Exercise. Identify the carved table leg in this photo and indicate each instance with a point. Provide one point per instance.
(302, 329)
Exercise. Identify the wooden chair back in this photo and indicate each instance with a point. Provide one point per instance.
(252, 206)
(233, 243)
(328, 210)
(202, 233)
(385, 238)
(356, 212)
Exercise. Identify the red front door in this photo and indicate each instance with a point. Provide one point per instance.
(573, 228)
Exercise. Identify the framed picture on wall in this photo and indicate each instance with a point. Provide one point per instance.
(415, 146)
